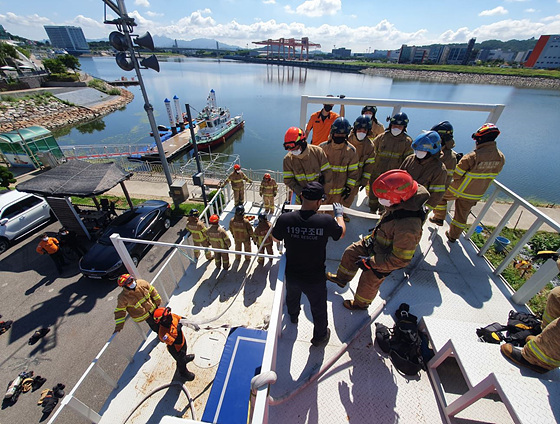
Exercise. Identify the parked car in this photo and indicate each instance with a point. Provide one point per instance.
(146, 222)
(20, 214)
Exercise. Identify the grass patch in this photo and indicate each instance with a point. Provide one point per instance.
(102, 86)
(515, 273)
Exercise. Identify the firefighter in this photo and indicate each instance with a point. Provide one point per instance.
(219, 239)
(390, 150)
(268, 191)
(198, 231)
(320, 122)
(376, 127)
(393, 241)
(242, 231)
(343, 159)
(236, 179)
(473, 175)
(363, 143)
(139, 298)
(51, 246)
(170, 332)
(449, 158)
(260, 233)
(304, 163)
(425, 166)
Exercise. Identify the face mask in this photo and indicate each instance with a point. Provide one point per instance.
(420, 154)
(131, 286)
(385, 202)
(327, 108)
(295, 152)
(396, 131)
(369, 114)
(361, 135)
(339, 140)
(46, 239)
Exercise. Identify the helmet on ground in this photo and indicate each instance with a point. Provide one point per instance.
(214, 219)
(293, 138)
(266, 176)
(363, 122)
(488, 132)
(444, 129)
(428, 141)
(341, 125)
(262, 216)
(400, 118)
(237, 167)
(125, 280)
(194, 212)
(240, 210)
(160, 313)
(367, 109)
(395, 185)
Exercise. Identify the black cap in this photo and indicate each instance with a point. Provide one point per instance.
(313, 191)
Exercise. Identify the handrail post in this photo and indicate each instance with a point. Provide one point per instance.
(483, 212)
(533, 285)
(499, 228)
(520, 244)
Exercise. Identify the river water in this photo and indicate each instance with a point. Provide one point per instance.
(269, 98)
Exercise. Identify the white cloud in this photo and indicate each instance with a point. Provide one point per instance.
(143, 3)
(316, 8)
(269, 1)
(153, 14)
(530, 10)
(514, 1)
(492, 12)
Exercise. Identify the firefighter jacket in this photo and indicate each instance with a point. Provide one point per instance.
(431, 173)
(218, 237)
(476, 171)
(236, 179)
(449, 159)
(50, 246)
(269, 188)
(172, 335)
(197, 229)
(393, 241)
(260, 233)
(376, 129)
(139, 303)
(321, 127)
(241, 228)
(344, 163)
(311, 165)
(366, 158)
(390, 152)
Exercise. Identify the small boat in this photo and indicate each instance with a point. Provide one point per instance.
(216, 124)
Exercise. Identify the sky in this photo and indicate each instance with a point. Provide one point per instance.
(360, 25)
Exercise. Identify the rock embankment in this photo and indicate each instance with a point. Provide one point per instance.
(51, 113)
(465, 78)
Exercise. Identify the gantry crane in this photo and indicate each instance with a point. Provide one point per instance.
(290, 44)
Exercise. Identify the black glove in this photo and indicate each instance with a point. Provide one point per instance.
(346, 192)
(459, 156)
(341, 96)
(364, 263)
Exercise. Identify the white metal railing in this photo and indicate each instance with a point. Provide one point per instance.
(548, 270)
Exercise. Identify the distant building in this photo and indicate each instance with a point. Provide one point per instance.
(406, 54)
(342, 52)
(546, 54)
(69, 38)
(438, 54)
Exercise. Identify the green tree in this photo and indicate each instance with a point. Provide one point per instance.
(70, 61)
(6, 177)
(54, 66)
(7, 51)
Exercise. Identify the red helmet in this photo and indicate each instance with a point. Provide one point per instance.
(488, 132)
(125, 280)
(214, 219)
(266, 176)
(395, 185)
(160, 313)
(293, 138)
(237, 167)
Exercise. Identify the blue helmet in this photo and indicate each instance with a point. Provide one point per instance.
(363, 121)
(428, 141)
(341, 125)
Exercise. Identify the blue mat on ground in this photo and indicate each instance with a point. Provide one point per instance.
(241, 360)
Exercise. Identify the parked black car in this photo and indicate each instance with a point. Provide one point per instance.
(146, 221)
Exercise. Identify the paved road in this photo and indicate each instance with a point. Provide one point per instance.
(78, 311)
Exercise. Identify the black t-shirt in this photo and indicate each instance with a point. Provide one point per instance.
(305, 234)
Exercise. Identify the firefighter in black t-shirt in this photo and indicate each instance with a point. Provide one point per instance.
(305, 234)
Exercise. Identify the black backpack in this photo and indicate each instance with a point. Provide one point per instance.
(403, 342)
(519, 326)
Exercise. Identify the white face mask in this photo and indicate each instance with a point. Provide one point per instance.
(361, 135)
(420, 154)
(295, 152)
(132, 285)
(46, 239)
(396, 131)
(369, 114)
(385, 202)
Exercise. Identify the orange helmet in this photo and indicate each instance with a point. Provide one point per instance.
(160, 313)
(237, 167)
(266, 176)
(488, 132)
(293, 138)
(125, 280)
(395, 185)
(214, 219)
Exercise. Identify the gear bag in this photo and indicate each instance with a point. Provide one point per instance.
(519, 326)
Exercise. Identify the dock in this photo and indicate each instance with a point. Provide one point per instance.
(123, 83)
(173, 146)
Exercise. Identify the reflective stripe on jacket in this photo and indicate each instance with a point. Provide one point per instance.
(390, 152)
(310, 165)
(344, 165)
(268, 188)
(241, 229)
(197, 229)
(366, 159)
(139, 303)
(429, 172)
(261, 231)
(218, 237)
(236, 179)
